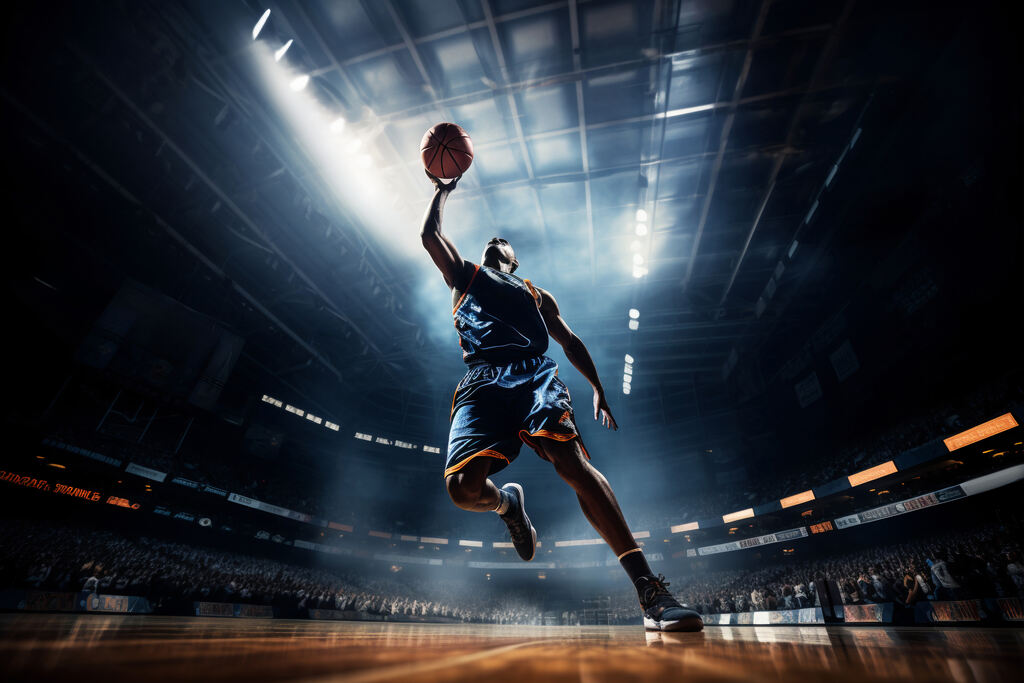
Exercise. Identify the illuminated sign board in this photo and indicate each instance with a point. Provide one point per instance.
(982, 431)
(821, 527)
(739, 514)
(689, 526)
(797, 498)
(872, 473)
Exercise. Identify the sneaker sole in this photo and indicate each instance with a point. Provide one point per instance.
(522, 507)
(690, 624)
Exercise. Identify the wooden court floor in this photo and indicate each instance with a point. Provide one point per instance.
(43, 647)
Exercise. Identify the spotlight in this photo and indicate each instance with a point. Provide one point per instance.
(281, 50)
(634, 314)
(641, 229)
(634, 324)
(641, 215)
(629, 358)
(625, 389)
(636, 245)
(259, 24)
(638, 259)
(338, 125)
(299, 82)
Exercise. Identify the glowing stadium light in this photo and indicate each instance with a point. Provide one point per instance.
(672, 113)
(629, 358)
(364, 437)
(628, 368)
(634, 313)
(279, 53)
(634, 324)
(641, 229)
(295, 411)
(625, 389)
(627, 379)
(259, 24)
(641, 215)
(642, 534)
(636, 245)
(338, 125)
(330, 425)
(982, 431)
(689, 526)
(582, 541)
(299, 82)
(432, 449)
(471, 544)
(639, 271)
(797, 498)
(738, 515)
(638, 259)
(872, 473)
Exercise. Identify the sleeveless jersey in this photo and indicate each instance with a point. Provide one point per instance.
(498, 319)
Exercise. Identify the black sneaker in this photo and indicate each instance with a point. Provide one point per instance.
(662, 612)
(524, 536)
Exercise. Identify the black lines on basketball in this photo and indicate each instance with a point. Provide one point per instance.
(446, 150)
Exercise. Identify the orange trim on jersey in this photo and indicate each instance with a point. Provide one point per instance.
(533, 291)
(554, 436)
(466, 291)
(486, 453)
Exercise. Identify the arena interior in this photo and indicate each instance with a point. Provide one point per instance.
(789, 233)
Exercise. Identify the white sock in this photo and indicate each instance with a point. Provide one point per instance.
(504, 500)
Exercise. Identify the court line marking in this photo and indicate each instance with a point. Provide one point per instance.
(383, 674)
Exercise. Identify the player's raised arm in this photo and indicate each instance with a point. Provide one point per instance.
(444, 254)
(577, 353)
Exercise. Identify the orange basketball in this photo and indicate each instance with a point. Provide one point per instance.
(446, 150)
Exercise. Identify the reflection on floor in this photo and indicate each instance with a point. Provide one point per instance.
(143, 648)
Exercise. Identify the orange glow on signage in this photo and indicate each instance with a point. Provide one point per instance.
(340, 527)
(739, 514)
(797, 498)
(872, 473)
(689, 526)
(982, 431)
(821, 527)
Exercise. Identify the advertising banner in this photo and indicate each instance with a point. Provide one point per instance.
(229, 609)
(267, 507)
(147, 472)
(757, 541)
(948, 612)
(121, 604)
(877, 613)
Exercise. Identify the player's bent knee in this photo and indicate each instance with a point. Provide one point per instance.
(461, 490)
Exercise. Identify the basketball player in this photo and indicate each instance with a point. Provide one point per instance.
(512, 395)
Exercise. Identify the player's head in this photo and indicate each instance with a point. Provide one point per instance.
(498, 254)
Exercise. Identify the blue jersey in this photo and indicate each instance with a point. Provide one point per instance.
(498, 318)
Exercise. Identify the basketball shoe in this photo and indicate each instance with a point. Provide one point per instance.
(524, 536)
(662, 612)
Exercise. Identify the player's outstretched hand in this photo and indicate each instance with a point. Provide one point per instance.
(602, 412)
(444, 187)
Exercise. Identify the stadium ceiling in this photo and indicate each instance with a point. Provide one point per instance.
(715, 122)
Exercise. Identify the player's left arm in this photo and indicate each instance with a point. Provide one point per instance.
(576, 352)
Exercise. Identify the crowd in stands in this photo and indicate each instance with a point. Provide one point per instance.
(59, 558)
(983, 564)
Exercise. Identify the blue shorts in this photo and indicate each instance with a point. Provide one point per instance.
(497, 408)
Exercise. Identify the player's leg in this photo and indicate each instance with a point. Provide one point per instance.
(595, 494)
(597, 500)
(470, 489)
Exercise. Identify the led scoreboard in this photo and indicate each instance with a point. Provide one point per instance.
(821, 527)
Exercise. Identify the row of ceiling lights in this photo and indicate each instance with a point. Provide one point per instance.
(299, 82)
(638, 247)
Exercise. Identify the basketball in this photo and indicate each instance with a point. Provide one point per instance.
(446, 150)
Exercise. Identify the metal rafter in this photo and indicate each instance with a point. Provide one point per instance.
(574, 32)
(499, 53)
(819, 68)
(723, 142)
